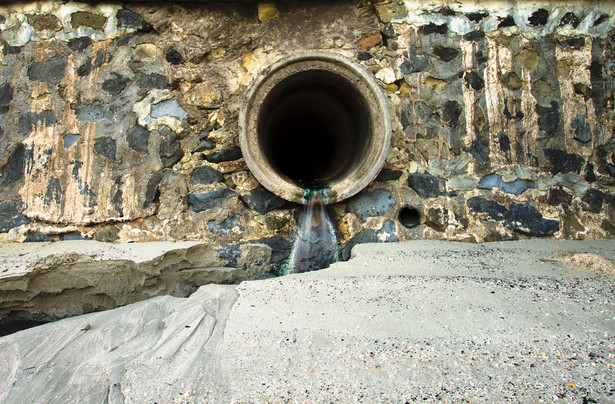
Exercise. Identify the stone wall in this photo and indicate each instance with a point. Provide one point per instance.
(119, 122)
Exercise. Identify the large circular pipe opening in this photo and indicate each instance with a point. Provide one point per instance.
(315, 121)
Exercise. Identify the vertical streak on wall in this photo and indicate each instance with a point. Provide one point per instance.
(493, 97)
(469, 98)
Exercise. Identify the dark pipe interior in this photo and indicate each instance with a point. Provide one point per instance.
(409, 216)
(314, 128)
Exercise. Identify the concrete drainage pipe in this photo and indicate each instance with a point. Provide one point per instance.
(315, 120)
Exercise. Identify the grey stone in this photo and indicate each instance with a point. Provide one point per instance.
(11, 50)
(476, 17)
(463, 182)
(70, 139)
(280, 250)
(6, 94)
(437, 218)
(516, 187)
(115, 86)
(432, 28)
(371, 203)
(15, 166)
(474, 36)
(582, 131)
(226, 225)
(95, 112)
(450, 113)
(151, 192)
(231, 154)
(474, 80)
(28, 121)
(151, 81)
(538, 17)
(51, 71)
(521, 218)
(548, 117)
(445, 54)
(388, 175)
(512, 81)
(174, 57)
(207, 200)
(79, 44)
(205, 175)
(427, 114)
(594, 198)
(205, 145)
(416, 61)
(170, 147)
(129, 19)
(138, 139)
(54, 192)
(105, 146)
(168, 108)
(263, 201)
(387, 234)
(428, 186)
(100, 58)
(456, 166)
(11, 215)
(563, 162)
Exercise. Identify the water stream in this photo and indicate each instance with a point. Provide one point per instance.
(316, 244)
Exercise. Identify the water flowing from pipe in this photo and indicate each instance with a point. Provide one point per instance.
(316, 245)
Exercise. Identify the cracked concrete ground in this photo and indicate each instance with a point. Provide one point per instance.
(523, 321)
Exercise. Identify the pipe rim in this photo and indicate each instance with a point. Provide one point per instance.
(250, 111)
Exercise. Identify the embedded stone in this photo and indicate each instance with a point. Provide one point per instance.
(582, 131)
(548, 117)
(463, 182)
(11, 215)
(590, 175)
(228, 167)
(170, 147)
(227, 224)
(87, 19)
(70, 139)
(151, 191)
(389, 31)
(388, 175)
(432, 28)
(558, 196)
(369, 41)
(51, 71)
(503, 141)
(28, 121)
(594, 198)
(476, 17)
(107, 234)
(371, 203)
(42, 22)
(542, 89)
(138, 139)
(437, 218)
(474, 36)
(115, 86)
(231, 154)
(415, 62)
(267, 12)
(363, 55)
(572, 43)
(174, 57)
(387, 234)
(516, 187)
(129, 19)
(539, 17)
(474, 80)
(263, 201)
(105, 146)
(450, 113)
(508, 21)
(79, 44)
(205, 145)
(94, 112)
(584, 90)
(168, 108)
(11, 50)
(601, 18)
(530, 59)
(14, 169)
(147, 52)
(428, 186)
(512, 81)
(457, 165)
(445, 53)
(230, 253)
(570, 19)
(280, 250)
(205, 175)
(151, 81)
(563, 162)
(207, 200)
(6, 94)
(527, 219)
(54, 192)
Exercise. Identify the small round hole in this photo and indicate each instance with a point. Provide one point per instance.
(409, 217)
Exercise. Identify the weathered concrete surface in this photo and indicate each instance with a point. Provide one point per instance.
(56, 280)
(434, 321)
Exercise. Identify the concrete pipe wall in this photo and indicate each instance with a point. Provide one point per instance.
(315, 120)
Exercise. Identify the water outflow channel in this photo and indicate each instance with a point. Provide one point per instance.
(315, 130)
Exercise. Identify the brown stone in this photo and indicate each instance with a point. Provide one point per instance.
(44, 22)
(369, 41)
(87, 19)
(228, 167)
